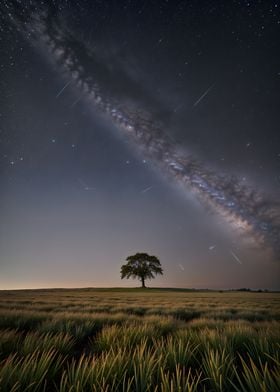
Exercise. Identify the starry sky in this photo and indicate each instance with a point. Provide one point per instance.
(139, 126)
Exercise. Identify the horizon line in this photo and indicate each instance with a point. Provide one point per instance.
(242, 289)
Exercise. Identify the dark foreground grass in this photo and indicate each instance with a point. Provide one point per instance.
(139, 340)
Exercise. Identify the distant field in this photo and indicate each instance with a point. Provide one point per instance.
(139, 340)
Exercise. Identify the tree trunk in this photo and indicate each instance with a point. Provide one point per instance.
(143, 282)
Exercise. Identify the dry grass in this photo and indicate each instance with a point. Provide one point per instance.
(139, 340)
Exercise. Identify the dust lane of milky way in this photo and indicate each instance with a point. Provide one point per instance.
(83, 67)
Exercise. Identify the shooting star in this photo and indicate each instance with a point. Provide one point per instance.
(235, 257)
(203, 95)
(212, 247)
(63, 88)
(181, 267)
(76, 101)
(146, 189)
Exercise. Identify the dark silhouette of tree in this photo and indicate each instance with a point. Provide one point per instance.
(141, 266)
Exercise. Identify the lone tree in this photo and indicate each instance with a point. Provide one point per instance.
(141, 266)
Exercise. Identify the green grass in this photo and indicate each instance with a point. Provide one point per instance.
(139, 340)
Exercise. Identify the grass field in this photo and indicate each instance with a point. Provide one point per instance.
(139, 340)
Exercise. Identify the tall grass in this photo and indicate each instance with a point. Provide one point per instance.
(137, 340)
(21, 319)
(217, 365)
(77, 328)
(9, 342)
(35, 372)
(177, 352)
(257, 376)
(33, 341)
(181, 380)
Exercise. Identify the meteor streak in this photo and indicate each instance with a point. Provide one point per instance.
(63, 88)
(235, 257)
(181, 267)
(203, 95)
(146, 189)
(75, 102)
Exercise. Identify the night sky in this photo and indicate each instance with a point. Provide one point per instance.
(139, 126)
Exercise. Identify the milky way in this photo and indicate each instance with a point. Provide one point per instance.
(115, 94)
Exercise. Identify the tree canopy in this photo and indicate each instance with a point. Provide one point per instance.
(141, 266)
